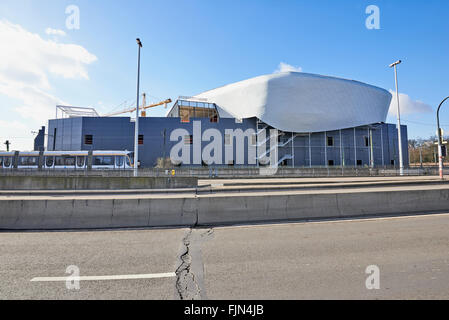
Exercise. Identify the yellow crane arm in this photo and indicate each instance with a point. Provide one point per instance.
(156, 104)
(143, 108)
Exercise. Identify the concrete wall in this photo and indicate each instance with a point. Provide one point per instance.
(94, 183)
(213, 210)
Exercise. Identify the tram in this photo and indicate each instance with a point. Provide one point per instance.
(67, 160)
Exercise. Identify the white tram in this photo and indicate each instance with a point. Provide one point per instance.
(67, 160)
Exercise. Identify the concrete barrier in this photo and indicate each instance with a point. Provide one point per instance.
(214, 210)
(94, 183)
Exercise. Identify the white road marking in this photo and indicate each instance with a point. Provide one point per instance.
(103, 278)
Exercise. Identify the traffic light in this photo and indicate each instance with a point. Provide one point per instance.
(444, 151)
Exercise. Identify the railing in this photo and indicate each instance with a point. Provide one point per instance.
(231, 172)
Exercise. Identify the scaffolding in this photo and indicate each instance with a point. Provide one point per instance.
(74, 112)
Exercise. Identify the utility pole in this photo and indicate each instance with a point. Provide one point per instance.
(401, 161)
(136, 127)
(440, 141)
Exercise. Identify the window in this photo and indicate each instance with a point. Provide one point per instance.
(367, 142)
(88, 139)
(359, 162)
(28, 161)
(108, 161)
(69, 161)
(392, 162)
(330, 163)
(184, 115)
(140, 139)
(59, 161)
(97, 161)
(1, 162)
(188, 139)
(227, 139)
(214, 119)
(103, 160)
(49, 161)
(330, 141)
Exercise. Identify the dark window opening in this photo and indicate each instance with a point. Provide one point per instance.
(330, 163)
(54, 140)
(330, 141)
(214, 119)
(392, 162)
(188, 139)
(359, 162)
(140, 139)
(88, 139)
(367, 142)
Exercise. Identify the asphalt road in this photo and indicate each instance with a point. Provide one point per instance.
(315, 260)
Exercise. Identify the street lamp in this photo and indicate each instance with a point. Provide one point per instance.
(440, 139)
(401, 162)
(136, 127)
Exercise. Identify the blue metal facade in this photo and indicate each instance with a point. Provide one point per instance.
(334, 148)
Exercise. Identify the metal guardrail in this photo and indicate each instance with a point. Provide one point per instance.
(220, 172)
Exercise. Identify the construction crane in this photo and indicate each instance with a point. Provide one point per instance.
(143, 114)
(7, 145)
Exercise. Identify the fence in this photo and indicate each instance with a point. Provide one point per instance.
(222, 172)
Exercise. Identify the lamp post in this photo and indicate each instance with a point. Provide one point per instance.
(440, 141)
(136, 127)
(401, 162)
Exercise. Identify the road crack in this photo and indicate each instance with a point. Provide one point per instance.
(186, 284)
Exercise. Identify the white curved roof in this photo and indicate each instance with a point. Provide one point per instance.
(302, 102)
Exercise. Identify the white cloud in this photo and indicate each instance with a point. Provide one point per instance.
(55, 32)
(407, 105)
(285, 67)
(26, 62)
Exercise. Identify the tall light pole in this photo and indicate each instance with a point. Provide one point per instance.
(401, 162)
(136, 127)
(440, 140)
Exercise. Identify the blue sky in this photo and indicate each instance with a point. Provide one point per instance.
(193, 46)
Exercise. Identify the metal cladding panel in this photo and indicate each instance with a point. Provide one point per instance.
(302, 102)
